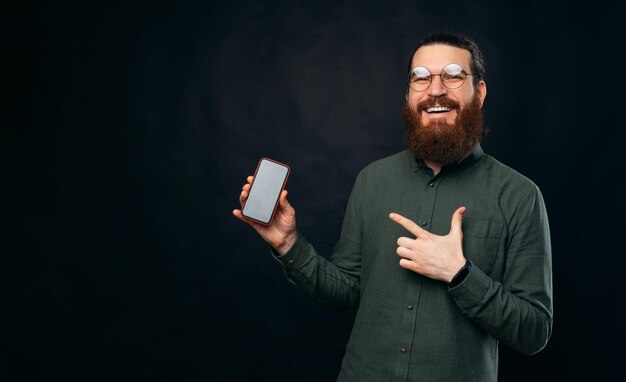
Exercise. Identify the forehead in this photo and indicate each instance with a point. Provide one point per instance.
(435, 57)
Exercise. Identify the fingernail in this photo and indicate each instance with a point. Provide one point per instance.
(392, 215)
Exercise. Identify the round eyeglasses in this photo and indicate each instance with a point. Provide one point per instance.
(452, 76)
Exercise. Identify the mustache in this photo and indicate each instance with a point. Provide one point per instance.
(441, 101)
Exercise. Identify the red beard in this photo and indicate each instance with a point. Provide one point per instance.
(439, 141)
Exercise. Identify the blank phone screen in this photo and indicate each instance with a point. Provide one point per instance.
(263, 196)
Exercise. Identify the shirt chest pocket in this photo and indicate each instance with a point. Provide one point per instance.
(481, 242)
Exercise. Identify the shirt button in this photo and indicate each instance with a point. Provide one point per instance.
(402, 350)
(291, 261)
(431, 184)
(409, 307)
(424, 223)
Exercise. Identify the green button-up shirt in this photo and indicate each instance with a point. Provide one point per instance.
(412, 328)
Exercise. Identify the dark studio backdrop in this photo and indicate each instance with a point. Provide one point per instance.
(128, 130)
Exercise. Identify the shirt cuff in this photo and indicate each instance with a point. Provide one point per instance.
(295, 258)
(471, 290)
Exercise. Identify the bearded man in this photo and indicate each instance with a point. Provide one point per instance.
(444, 250)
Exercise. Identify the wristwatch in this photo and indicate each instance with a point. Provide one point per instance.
(461, 274)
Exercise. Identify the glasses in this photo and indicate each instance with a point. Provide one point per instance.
(452, 76)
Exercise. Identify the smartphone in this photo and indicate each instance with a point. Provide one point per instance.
(269, 181)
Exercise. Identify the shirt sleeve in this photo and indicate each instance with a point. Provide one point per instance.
(333, 283)
(518, 310)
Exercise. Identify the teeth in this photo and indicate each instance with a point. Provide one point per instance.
(437, 109)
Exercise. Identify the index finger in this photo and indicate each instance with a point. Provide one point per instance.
(408, 224)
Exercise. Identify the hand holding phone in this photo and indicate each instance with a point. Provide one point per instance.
(270, 179)
(265, 206)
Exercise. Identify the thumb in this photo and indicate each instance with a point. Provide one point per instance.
(457, 222)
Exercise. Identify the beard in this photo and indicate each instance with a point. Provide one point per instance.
(439, 141)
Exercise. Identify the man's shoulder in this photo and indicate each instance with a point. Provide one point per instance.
(396, 162)
(505, 174)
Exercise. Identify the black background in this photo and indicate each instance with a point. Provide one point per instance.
(129, 129)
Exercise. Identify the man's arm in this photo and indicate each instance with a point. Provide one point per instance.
(517, 311)
(332, 283)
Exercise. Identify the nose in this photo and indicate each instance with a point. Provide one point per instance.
(436, 88)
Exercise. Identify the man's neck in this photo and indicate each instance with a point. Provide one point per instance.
(436, 167)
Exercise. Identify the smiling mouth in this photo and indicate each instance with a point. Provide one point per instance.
(437, 109)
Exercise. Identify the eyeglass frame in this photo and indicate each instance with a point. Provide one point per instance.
(408, 80)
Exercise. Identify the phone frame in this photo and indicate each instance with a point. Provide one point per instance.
(282, 187)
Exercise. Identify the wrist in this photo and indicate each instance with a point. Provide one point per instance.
(287, 244)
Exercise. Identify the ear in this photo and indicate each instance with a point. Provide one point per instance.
(481, 92)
